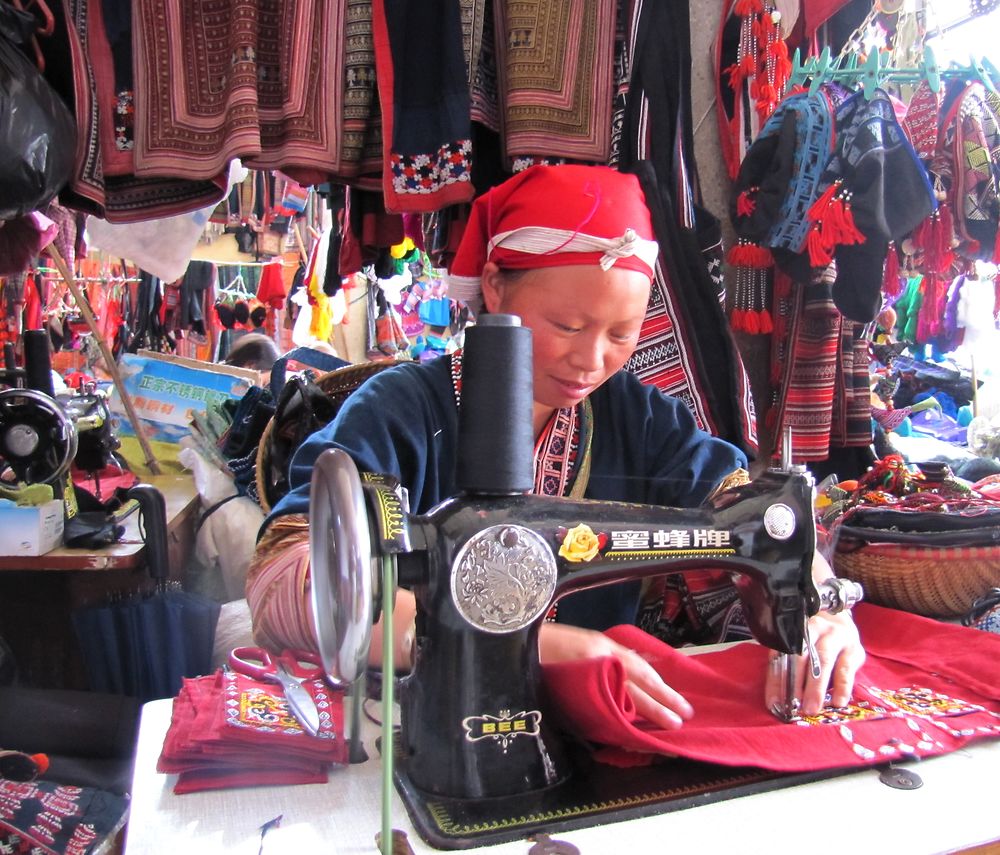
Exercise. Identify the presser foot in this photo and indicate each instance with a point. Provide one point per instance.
(784, 667)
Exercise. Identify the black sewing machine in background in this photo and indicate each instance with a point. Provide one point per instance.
(477, 758)
(43, 434)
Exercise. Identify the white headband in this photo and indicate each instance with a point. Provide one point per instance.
(537, 240)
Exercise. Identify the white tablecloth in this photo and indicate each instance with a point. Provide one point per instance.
(954, 809)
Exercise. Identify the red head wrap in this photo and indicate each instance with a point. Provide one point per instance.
(549, 216)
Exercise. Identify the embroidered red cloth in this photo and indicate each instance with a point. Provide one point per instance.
(229, 730)
(926, 688)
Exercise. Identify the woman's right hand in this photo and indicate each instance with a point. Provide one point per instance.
(654, 700)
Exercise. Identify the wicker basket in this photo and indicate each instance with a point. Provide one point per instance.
(337, 385)
(925, 580)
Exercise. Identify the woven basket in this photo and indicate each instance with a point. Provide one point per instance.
(337, 385)
(925, 580)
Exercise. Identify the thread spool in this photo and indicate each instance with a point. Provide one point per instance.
(495, 435)
(37, 362)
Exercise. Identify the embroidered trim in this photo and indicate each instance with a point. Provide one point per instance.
(425, 173)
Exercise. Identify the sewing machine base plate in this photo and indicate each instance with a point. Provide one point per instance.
(595, 794)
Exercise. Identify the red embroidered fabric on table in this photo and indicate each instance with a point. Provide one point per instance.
(926, 688)
(229, 730)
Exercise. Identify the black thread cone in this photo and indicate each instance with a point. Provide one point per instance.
(495, 436)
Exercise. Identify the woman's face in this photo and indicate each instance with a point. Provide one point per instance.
(585, 323)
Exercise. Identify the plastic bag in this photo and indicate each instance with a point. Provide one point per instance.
(37, 130)
(161, 247)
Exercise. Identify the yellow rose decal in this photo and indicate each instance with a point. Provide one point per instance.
(581, 543)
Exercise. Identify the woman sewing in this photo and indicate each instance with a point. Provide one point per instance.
(570, 250)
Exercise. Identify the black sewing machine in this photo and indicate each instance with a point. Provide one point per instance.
(43, 434)
(486, 566)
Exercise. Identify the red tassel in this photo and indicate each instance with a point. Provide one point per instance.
(891, 284)
(782, 64)
(743, 8)
(920, 237)
(748, 65)
(843, 229)
(736, 76)
(737, 255)
(752, 326)
(942, 233)
(820, 253)
(764, 322)
(745, 204)
(746, 254)
(818, 208)
(933, 238)
(762, 257)
(736, 320)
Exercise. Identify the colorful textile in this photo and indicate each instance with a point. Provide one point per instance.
(851, 423)
(277, 578)
(229, 730)
(694, 607)
(43, 818)
(360, 127)
(478, 40)
(808, 359)
(926, 688)
(426, 132)
(685, 348)
(554, 69)
(921, 122)
(117, 198)
(262, 91)
(975, 141)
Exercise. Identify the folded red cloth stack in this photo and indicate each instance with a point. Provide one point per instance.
(926, 688)
(230, 730)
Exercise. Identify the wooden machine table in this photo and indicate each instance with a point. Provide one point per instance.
(39, 593)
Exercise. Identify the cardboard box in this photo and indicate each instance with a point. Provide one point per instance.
(167, 392)
(31, 531)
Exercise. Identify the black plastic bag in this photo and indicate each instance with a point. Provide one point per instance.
(37, 130)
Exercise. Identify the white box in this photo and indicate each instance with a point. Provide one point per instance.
(31, 531)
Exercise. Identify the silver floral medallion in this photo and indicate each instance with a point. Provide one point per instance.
(503, 578)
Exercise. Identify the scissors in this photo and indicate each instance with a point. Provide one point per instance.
(288, 670)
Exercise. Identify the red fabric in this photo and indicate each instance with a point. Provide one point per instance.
(590, 200)
(271, 290)
(956, 669)
(228, 730)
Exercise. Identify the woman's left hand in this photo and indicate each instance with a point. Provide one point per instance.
(840, 653)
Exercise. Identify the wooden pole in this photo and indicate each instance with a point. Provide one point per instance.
(109, 359)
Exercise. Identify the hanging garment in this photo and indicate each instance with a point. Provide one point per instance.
(426, 134)
(69, 68)
(685, 347)
(279, 100)
(553, 62)
(804, 362)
